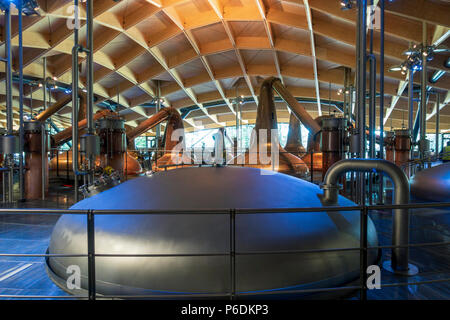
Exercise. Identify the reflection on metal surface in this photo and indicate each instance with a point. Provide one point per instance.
(197, 188)
(432, 184)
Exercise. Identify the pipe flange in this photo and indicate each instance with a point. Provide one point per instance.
(324, 186)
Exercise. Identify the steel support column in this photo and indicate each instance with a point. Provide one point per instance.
(21, 130)
(90, 82)
(381, 183)
(438, 102)
(423, 96)
(361, 56)
(9, 110)
(411, 106)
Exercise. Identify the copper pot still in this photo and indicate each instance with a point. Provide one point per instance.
(266, 120)
(113, 147)
(294, 143)
(174, 145)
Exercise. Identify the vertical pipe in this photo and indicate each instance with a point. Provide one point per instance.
(90, 67)
(43, 149)
(400, 228)
(423, 95)
(372, 114)
(381, 186)
(158, 108)
(235, 105)
(361, 63)
(75, 78)
(21, 132)
(31, 101)
(4, 186)
(9, 110)
(363, 252)
(91, 255)
(372, 99)
(90, 82)
(361, 90)
(44, 160)
(438, 111)
(44, 79)
(241, 134)
(9, 114)
(411, 106)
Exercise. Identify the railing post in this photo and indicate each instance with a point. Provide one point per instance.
(232, 253)
(312, 166)
(363, 252)
(57, 163)
(91, 254)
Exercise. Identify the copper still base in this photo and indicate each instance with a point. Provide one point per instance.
(61, 164)
(287, 163)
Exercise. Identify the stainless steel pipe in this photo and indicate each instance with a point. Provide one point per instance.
(8, 48)
(423, 96)
(381, 184)
(90, 83)
(90, 66)
(21, 129)
(438, 112)
(9, 110)
(75, 78)
(372, 105)
(158, 108)
(44, 160)
(400, 229)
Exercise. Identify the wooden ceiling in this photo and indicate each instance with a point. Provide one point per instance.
(208, 52)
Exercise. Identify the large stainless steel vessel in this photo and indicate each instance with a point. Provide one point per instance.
(211, 188)
(432, 184)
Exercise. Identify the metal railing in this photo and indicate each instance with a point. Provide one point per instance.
(363, 249)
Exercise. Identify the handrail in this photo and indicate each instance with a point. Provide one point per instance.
(232, 212)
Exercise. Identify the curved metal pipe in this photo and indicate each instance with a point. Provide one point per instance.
(151, 122)
(400, 229)
(75, 50)
(66, 134)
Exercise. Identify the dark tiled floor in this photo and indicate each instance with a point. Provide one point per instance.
(29, 234)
